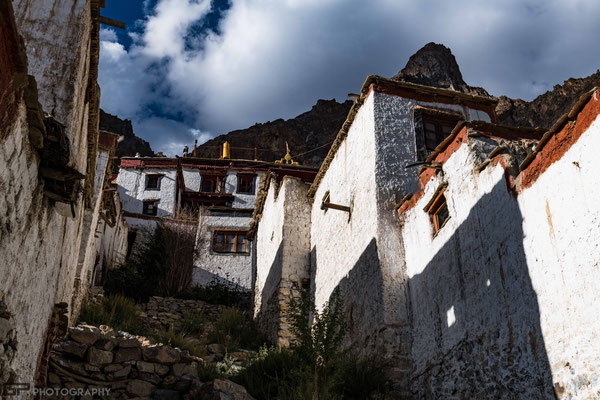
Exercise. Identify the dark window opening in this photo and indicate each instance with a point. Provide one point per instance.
(438, 211)
(213, 184)
(246, 184)
(431, 128)
(150, 207)
(230, 241)
(153, 182)
(131, 236)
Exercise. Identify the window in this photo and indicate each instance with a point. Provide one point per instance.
(438, 210)
(150, 207)
(432, 126)
(245, 184)
(153, 182)
(436, 130)
(213, 184)
(230, 241)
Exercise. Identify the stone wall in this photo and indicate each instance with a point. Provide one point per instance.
(283, 256)
(501, 296)
(41, 239)
(93, 359)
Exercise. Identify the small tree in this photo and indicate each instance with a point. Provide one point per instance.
(183, 236)
(319, 343)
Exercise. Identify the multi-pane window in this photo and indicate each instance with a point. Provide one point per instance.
(225, 241)
(213, 184)
(438, 211)
(153, 182)
(150, 207)
(436, 130)
(246, 183)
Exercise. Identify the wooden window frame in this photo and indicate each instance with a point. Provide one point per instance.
(230, 232)
(439, 118)
(245, 180)
(217, 185)
(434, 209)
(158, 181)
(145, 206)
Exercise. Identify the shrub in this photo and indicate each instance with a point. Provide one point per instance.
(116, 311)
(162, 262)
(181, 340)
(217, 292)
(208, 372)
(233, 330)
(272, 375)
(315, 366)
(192, 324)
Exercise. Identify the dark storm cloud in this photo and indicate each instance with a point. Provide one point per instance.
(260, 60)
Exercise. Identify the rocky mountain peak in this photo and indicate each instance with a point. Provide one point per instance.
(435, 65)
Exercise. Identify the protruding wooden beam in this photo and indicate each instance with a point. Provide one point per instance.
(353, 95)
(111, 22)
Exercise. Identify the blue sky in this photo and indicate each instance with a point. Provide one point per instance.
(193, 69)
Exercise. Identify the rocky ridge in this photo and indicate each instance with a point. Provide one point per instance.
(130, 143)
(313, 131)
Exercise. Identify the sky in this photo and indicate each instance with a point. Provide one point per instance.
(195, 69)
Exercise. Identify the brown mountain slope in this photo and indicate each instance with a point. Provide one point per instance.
(545, 109)
(311, 131)
(130, 144)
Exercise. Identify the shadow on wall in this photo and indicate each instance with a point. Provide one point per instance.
(268, 317)
(361, 292)
(202, 277)
(475, 316)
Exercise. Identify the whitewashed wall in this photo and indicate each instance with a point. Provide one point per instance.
(228, 268)
(283, 256)
(133, 192)
(193, 180)
(39, 242)
(506, 291)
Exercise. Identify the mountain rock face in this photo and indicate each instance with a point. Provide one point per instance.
(435, 65)
(312, 132)
(545, 109)
(131, 144)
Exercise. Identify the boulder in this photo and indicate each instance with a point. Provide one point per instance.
(161, 354)
(224, 389)
(128, 354)
(144, 366)
(216, 348)
(85, 334)
(99, 357)
(184, 369)
(166, 394)
(71, 347)
(128, 342)
(122, 373)
(105, 344)
(161, 369)
(140, 388)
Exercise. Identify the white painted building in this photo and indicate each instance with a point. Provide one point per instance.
(459, 246)
(222, 191)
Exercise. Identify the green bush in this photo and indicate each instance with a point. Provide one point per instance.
(233, 330)
(116, 311)
(217, 292)
(208, 372)
(139, 277)
(272, 375)
(192, 324)
(315, 366)
(181, 340)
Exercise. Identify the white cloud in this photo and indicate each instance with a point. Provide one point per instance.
(275, 58)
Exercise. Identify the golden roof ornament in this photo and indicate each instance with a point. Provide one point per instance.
(287, 159)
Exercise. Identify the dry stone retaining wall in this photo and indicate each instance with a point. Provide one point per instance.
(130, 366)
